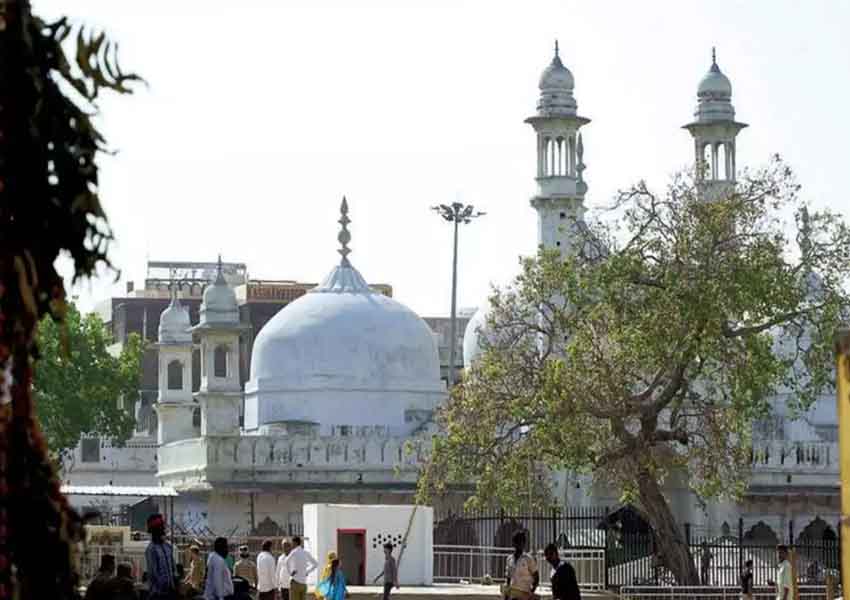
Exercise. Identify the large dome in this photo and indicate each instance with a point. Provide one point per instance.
(343, 354)
(347, 336)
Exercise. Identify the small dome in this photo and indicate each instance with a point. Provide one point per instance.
(219, 302)
(174, 323)
(715, 85)
(556, 89)
(556, 77)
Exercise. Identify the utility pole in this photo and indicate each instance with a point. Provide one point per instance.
(455, 213)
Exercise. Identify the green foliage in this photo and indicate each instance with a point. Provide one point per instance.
(653, 348)
(80, 386)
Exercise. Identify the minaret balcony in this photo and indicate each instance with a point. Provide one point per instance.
(558, 186)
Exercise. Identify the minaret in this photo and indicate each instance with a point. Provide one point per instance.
(561, 187)
(218, 331)
(714, 130)
(175, 405)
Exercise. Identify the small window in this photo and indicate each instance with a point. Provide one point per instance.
(557, 243)
(196, 417)
(175, 375)
(91, 450)
(563, 215)
(220, 361)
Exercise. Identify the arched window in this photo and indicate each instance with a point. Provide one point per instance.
(196, 417)
(707, 164)
(220, 361)
(175, 375)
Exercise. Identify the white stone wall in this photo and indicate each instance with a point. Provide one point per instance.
(322, 523)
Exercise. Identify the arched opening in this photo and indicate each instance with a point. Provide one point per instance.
(571, 157)
(550, 158)
(175, 375)
(722, 165)
(196, 418)
(562, 156)
(818, 549)
(220, 361)
(707, 162)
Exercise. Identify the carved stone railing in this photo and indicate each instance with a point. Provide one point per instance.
(795, 456)
(259, 457)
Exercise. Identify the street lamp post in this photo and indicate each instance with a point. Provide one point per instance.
(455, 213)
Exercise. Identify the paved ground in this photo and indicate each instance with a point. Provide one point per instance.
(455, 592)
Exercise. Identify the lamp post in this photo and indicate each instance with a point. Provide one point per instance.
(455, 213)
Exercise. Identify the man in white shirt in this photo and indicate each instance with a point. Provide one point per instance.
(266, 580)
(784, 585)
(283, 576)
(299, 564)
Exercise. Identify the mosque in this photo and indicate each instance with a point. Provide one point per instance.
(344, 380)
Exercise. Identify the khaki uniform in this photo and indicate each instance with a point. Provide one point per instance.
(247, 570)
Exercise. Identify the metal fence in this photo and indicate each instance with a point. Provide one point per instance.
(627, 545)
(712, 593)
(455, 564)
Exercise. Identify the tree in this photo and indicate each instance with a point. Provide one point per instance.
(80, 387)
(650, 351)
(49, 204)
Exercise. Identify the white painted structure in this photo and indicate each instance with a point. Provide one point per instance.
(340, 528)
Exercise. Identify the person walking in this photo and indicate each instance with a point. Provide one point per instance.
(783, 581)
(390, 572)
(747, 581)
(159, 557)
(219, 584)
(266, 582)
(245, 567)
(99, 587)
(283, 576)
(331, 584)
(195, 578)
(563, 576)
(521, 571)
(299, 564)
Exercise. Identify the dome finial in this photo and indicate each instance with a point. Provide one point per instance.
(219, 272)
(344, 235)
(556, 49)
(713, 55)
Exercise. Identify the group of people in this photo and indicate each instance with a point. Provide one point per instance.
(522, 575)
(221, 577)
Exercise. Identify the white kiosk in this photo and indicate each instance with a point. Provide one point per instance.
(357, 533)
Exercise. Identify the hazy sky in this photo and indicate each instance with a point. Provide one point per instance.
(261, 115)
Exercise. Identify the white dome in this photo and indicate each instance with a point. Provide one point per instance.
(174, 323)
(556, 89)
(343, 354)
(557, 77)
(476, 329)
(219, 302)
(715, 85)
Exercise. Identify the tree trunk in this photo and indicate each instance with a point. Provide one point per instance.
(672, 547)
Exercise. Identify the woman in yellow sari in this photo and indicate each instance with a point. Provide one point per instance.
(331, 580)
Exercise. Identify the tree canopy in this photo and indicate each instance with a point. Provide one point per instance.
(80, 386)
(651, 350)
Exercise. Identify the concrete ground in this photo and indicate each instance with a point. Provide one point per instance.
(454, 591)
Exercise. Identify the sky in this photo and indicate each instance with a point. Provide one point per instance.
(260, 115)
